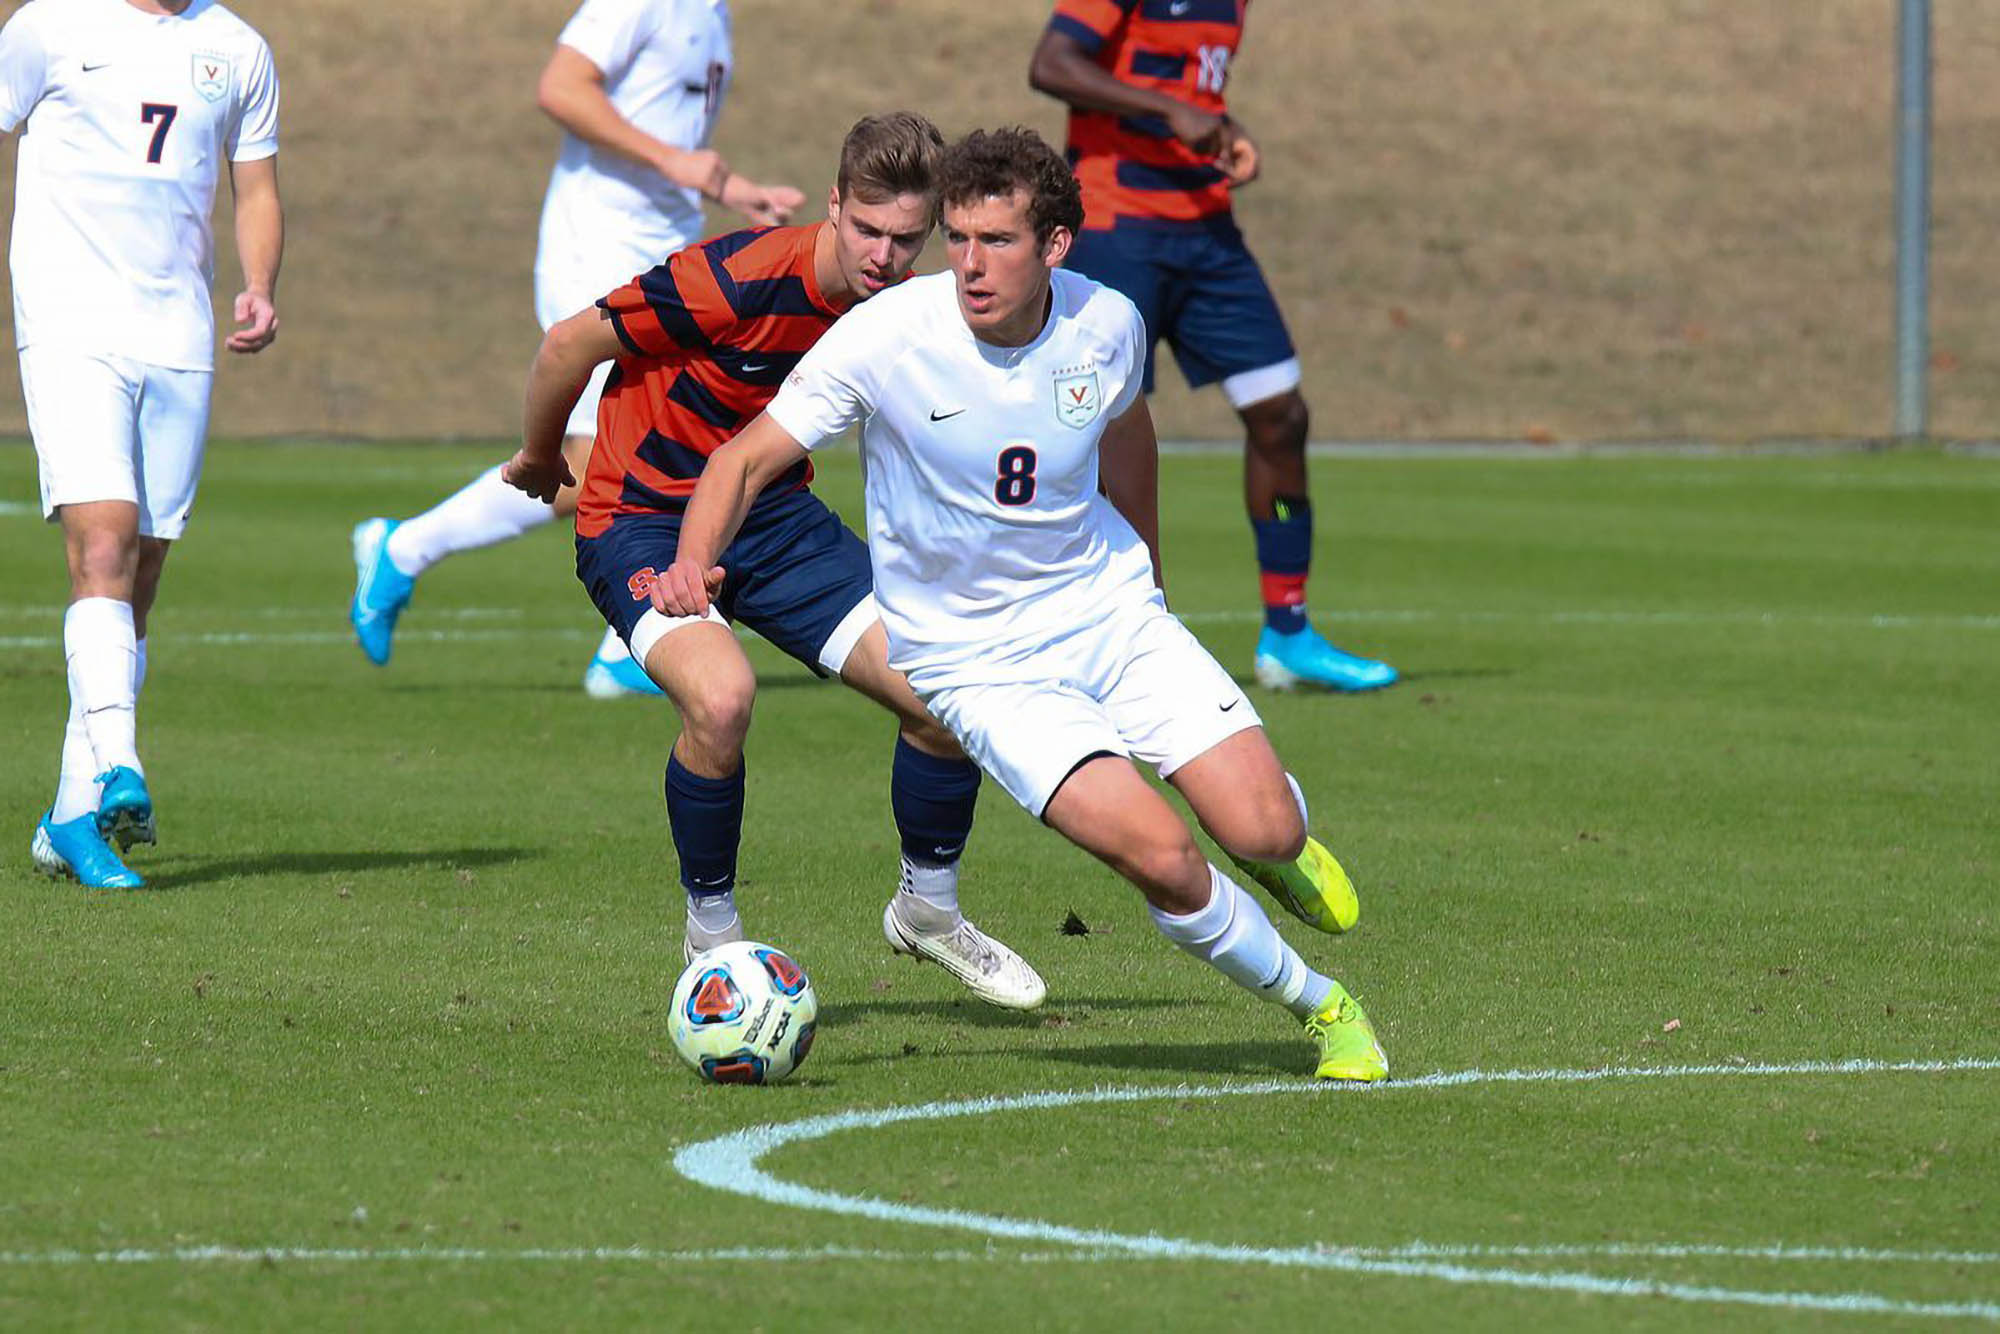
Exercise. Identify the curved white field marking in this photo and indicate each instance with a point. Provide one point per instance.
(191, 1255)
(730, 1163)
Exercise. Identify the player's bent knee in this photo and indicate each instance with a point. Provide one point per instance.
(1279, 426)
(1260, 828)
(102, 561)
(717, 712)
(1173, 873)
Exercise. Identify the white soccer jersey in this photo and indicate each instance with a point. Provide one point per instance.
(666, 68)
(988, 535)
(130, 117)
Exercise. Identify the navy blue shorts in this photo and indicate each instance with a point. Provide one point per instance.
(1197, 286)
(794, 572)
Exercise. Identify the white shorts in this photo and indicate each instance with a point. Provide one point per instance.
(1142, 686)
(566, 284)
(111, 428)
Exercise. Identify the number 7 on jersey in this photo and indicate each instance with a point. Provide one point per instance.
(164, 113)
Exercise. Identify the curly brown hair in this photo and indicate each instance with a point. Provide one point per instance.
(987, 163)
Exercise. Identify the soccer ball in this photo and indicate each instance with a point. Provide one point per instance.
(743, 1013)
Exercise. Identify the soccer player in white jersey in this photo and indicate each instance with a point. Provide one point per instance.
(1010, 470)
(132, 108)
(636, 86)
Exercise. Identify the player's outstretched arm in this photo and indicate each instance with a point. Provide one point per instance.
(730, 481)
(1064, 70)
(1128, 471)
(570, 351)
(260, 243)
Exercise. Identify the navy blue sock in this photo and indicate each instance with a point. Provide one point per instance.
(933, 801)
(1284, 555)
(707, 819)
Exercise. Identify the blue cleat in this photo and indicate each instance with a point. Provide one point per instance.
(1285, 662)
(610, 680)
(125, 810)
(381, 591)
(75, 849)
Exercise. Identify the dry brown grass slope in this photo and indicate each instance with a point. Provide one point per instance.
(1590, 218)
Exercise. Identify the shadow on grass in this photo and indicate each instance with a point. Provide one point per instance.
(1194, 1058)
(1400, 687)
(966, 1010)
(174, 872)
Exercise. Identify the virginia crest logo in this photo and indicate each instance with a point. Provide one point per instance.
(1077, 398)
(211, 76)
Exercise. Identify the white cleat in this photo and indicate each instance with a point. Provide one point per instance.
(988, 968)
(47, 860)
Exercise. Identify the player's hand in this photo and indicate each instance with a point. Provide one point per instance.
(1239, 159)
(768, 205)
(686, 589)
(1202, 131)
(699, 169)
(539, 477)
(258, 319)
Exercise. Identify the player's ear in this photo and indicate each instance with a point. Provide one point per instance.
(833, 204)
(1056, 248)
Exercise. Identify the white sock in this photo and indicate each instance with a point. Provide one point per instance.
(102, 654)
(1233, 936)
(713, 913)
(935, 885)
(614, 648)
(486, 510)
(77, 792)
(76, 782)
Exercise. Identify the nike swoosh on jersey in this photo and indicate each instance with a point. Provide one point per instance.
(92, 69)
(937, 416)
(1230, 705)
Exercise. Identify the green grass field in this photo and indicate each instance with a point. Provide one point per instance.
(1693, 770)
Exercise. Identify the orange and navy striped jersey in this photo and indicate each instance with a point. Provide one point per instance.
(709, 335)
(1132, 166)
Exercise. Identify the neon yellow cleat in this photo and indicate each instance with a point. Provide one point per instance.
(1311, 887)
(1347, 1045)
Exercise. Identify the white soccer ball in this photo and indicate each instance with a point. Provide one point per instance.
(743, 1013)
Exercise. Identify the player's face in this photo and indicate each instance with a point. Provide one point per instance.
(1003, 273)
(878, 243)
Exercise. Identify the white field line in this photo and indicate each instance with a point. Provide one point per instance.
(140, 1255)
(730, 1163)
(583, 628)
(580, 633)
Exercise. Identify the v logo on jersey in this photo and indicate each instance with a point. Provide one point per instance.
(1077, 399)
(211, 76)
